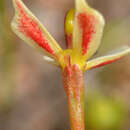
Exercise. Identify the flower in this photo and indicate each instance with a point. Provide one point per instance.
(83, 29)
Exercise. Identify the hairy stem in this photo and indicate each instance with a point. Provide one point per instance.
(73, 85)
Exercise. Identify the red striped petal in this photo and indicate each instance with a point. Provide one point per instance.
(28, 28)
(101, 61)
(88, 29)
(87, 24)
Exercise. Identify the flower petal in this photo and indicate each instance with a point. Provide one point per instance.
(28, 28)
(101, 61)
(88, 29)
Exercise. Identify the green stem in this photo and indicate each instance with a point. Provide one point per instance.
(73, 84)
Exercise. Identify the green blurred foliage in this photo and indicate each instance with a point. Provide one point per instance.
(104, 113)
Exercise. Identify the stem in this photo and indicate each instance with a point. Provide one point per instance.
(73, 85)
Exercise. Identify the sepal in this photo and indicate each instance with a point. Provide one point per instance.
(28, 28)
(104, 60)
(88, 29)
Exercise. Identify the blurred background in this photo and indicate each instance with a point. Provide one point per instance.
(31, 92)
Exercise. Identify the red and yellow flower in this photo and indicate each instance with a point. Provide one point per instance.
(83, 30)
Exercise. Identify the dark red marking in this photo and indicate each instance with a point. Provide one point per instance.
(30, 28)
(69, 41)
(87, 24)
(104, 63)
